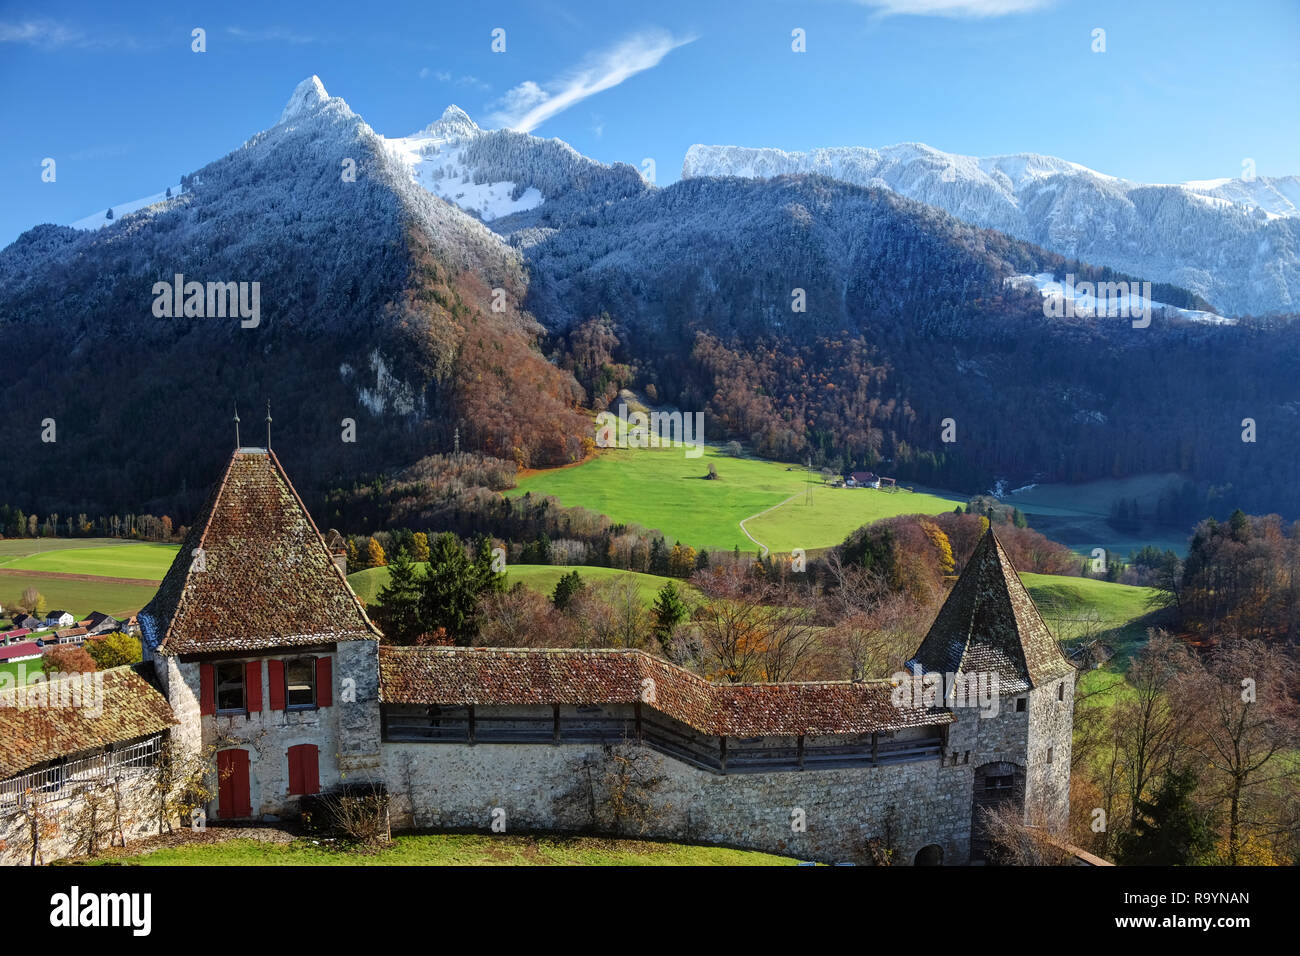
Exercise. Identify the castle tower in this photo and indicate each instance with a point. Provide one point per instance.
(990, 634)
(265, 652)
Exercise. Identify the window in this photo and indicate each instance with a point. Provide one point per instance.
(1022, 704)
(1004, 782)
(1049, 754)
(230, 687)
(1060, 691)
(300, 683)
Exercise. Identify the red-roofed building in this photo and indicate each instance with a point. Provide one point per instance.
(265, 654)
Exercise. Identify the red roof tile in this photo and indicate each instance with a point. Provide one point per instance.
(459, 676)
(989, 624)
(268, 579)
(29, 735)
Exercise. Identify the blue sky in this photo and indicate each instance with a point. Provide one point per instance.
(1184, 90)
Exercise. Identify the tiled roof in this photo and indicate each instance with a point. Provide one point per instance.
(32, 735)
(459, 676)
(25, 649)
(989, 624)
(268, 579)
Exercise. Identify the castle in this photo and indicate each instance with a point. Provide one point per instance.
(258, 652)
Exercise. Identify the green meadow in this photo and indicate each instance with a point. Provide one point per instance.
(144, 560)
(78, 597)
(660, 488)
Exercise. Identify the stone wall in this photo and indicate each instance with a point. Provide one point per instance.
(64, 824)
(531, 787)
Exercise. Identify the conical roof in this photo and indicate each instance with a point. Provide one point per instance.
(989, 624)
(265, 578)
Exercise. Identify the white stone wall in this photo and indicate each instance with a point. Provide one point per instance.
(1051, 726)
(63, 822)
(541, 787)
(266, 736)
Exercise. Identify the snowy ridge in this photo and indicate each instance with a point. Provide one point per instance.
(1236, 242)
(435, 159)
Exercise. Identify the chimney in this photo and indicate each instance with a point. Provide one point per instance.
(338, 550)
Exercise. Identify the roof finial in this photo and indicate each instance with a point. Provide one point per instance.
(236, 425)
(268, 424)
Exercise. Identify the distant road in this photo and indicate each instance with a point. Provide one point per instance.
(759, 515)
(65, 576)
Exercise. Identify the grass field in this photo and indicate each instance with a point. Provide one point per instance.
(1073, 606)
(1076, 514)
(78, 597)
(662, 489)
(140, 560)
(454, 849)
(11, 548)
(539, 577)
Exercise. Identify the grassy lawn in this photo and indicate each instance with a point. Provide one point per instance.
(455, 849)
(661, 488)
(539, 577)
(1072, 605)
(140, 560)
(78, 597)
(11, 548)
(15, 669)
(836, 512)
(1076, 514)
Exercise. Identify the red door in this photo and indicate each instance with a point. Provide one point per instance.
(232, 785)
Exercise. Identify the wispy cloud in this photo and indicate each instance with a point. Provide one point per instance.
(530, 104)
(269, 35)
(974, 9)
(54, 35)
(442, 76)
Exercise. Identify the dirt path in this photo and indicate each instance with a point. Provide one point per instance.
(764, 551)
(90, 578)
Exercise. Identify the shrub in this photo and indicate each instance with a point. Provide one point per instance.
(356, 812)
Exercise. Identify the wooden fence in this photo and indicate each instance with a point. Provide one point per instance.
(712, 753)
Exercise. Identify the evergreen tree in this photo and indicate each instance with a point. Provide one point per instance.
(450, 591)
(486, 579)
(1170, 830)
(397, 608)
(565, 589)
(669, 611)
(658, 557)
(1018, 519)
(701, 559)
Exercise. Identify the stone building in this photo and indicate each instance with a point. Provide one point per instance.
(270, 665)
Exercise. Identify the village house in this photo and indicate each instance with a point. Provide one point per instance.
(59, 619)
(263, 656)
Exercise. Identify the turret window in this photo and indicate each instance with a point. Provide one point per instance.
(1022, 704)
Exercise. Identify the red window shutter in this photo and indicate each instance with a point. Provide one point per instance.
(295, 770)
(275, 679)
(304, 769)
(310, 769)
(324, 682)
(253, 686)
(207, 690)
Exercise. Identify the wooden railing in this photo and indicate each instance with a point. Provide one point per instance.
(711, 753)
(63, 780)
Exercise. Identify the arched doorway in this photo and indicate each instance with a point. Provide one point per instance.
(931, 855)
(997, 786)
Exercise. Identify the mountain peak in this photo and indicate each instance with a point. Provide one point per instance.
(453, 121)
(307, 96)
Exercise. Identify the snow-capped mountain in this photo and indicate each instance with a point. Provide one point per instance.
(1236, 242)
